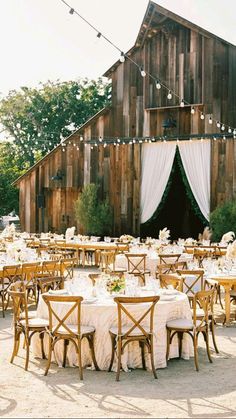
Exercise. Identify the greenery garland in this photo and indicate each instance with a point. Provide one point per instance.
(189, 190)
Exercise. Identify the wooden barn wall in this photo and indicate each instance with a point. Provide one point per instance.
(201, 70)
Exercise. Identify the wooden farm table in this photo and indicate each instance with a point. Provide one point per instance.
(227, 281)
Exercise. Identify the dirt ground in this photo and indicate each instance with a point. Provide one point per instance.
(179, 392)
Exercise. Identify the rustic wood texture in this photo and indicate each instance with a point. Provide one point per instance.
(199, 67)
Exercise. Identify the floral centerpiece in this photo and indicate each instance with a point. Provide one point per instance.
(70, 232)
(17, 251)
(126, 238)
(190, 241)
(228, 237)
(115, 284)
(164, 235)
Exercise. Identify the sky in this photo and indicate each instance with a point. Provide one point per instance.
(41, 41)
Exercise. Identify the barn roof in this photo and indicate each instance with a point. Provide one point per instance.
(75, 133)
(157, 18)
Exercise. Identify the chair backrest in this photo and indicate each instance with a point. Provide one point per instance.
(59, 320)
(30, 271)
(193, 281)
(50, 268)
(171, 280)
(204, 300)
(136, 262)
(167, 268)
(12, 273)
(122, 247)
(201, 253)
(126, 315)
(19, 298)
(67, 267)
(169, 257)
(107, 258)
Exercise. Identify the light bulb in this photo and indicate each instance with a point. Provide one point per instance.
(153, 138)
(234, 131)
(182, 103)
(169, 96)
(158, 85)
(100, 139)
(224, 137)
(192, 110)
(210, 120)
(118, 140)
(229, 130)
(218, 124)
(122, 57)
(202, 116)
(222, 127)
(71, 11)
(81, 138)
(142, 72)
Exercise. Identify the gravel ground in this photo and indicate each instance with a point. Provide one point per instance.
(179, 392)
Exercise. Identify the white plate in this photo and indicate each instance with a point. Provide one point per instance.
(58, 292)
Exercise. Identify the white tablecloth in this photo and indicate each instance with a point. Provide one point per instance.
(102, 314)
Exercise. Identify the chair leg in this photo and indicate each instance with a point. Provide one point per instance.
(206, 337)
(41, 335)
(119, 348)
(16, 346)
(180, 338)
(195, 347)
(50, 343)
(91, 346)
(113, 343)
(27, 352)
(212, 329)
(168, 345)
(80, 359)
(3, 306)
(66, 343)
(219, 295)
(141, 344)
(152, 358)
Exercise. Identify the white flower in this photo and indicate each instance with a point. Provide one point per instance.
(228, 237)
(164, 234)
(231, 250)
(70, 232)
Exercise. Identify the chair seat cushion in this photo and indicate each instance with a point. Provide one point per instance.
(31, 315)
(181, 324)
(135, 332)
(36, 322)
(74, 329)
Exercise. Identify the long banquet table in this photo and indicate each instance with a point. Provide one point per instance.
(102, 314)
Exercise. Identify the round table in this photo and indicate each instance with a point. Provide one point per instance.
(102, 314)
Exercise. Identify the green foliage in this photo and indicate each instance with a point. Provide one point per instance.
(37, 119)
(223, 219)
(10, 169)
(93, 215)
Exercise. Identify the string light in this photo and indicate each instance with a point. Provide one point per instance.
(182, 103)
(169, 96)
(100, 139)
(143, 72)
(210, 120)
(71, 11)
(192, 110)
(222, 127)
(218, 124)
(229, 130)
(122, 57)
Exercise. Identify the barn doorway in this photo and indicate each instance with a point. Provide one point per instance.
(176, 211)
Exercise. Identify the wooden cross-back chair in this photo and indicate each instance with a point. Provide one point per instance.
(23, 323)
(49, 277)
(67, 266)
(192, 279)
(199, 254)
(10, 274)
(136, 265)
(167, 268)
(61, 328)
(108, 262)
(123, 334)
(193, 327)
(30, 272)
(169, 257)
(171, 280)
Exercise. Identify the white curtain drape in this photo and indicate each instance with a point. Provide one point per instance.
(196, 159)
(157, 162)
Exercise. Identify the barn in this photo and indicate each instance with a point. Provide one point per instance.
(160, 162)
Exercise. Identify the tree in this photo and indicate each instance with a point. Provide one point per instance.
(223, 219)
(92, 214)
(37, 119)
(10, 169)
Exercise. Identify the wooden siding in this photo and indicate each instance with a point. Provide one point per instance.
(199, 67)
